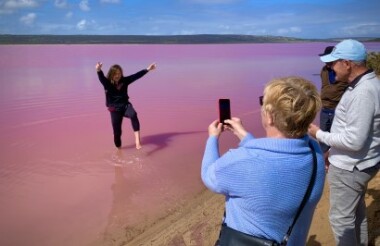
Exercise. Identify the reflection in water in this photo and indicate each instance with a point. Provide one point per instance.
(121, 188)
(121, 159)
(136, 173)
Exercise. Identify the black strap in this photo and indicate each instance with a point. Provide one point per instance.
(307, 194)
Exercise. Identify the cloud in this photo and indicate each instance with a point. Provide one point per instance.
(5, 11)
(18, 4)
(84, 5)
(69, 15)
(28, 19)
(55, 28)
(82, 25)
(290, 30)
(361, 29)
(9, 6)
(295, 29)
(214, 1)
(85, 25)
(110, 1)
(185, 32)
(60, 3)
(224, 27)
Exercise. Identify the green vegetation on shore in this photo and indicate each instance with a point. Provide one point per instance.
(373, 61)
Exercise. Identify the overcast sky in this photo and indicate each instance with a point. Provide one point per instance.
(294, 18)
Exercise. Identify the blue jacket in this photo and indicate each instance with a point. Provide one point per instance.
(264, 181)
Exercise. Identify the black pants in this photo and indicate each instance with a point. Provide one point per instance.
(117, 120)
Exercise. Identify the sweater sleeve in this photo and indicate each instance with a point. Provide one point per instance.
(248, 137)
(211, 155)
(212, 163)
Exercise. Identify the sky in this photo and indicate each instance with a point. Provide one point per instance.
(291, 18)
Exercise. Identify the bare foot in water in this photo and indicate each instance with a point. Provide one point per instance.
(137, 140)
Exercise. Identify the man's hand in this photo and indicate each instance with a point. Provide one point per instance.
(313, 130)
(327, 163)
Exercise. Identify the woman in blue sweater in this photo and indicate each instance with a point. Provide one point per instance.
(117, 99)
(265, 179)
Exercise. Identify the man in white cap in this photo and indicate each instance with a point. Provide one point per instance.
(354, 156)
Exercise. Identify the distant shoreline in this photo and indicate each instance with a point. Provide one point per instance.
(6, 39)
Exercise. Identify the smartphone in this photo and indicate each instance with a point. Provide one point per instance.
(224, 110)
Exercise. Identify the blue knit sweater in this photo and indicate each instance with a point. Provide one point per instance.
(264, 181)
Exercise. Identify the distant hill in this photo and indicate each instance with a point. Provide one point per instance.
(142, 39)
(145, 39)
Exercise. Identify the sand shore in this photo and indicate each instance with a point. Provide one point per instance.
(198, 223)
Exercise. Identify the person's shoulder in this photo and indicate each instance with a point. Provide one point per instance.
(374, 77)
(370, 80)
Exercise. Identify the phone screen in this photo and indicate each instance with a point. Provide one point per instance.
(224, 110)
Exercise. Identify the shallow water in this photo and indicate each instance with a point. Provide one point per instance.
(62, 182)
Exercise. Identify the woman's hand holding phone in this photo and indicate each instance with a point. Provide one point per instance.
(235, 125)
(215, 128)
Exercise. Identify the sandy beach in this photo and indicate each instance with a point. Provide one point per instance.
(198, 222)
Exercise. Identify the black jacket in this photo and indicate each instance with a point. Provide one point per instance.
(118, 98)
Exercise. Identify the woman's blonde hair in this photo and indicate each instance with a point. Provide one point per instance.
(293, 103)
(112, 72)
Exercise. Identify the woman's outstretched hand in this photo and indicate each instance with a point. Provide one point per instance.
(98, 66)
(151, 67)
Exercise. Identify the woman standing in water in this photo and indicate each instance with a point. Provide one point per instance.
(117, 99)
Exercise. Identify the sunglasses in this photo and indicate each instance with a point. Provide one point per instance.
(261, 100)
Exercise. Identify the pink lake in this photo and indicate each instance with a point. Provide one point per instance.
(62, 182)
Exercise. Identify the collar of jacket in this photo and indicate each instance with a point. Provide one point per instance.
(357, 79)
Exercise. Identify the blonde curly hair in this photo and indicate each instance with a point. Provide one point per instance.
(293, 102)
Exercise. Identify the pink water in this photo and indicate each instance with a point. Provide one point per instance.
(62, 182)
